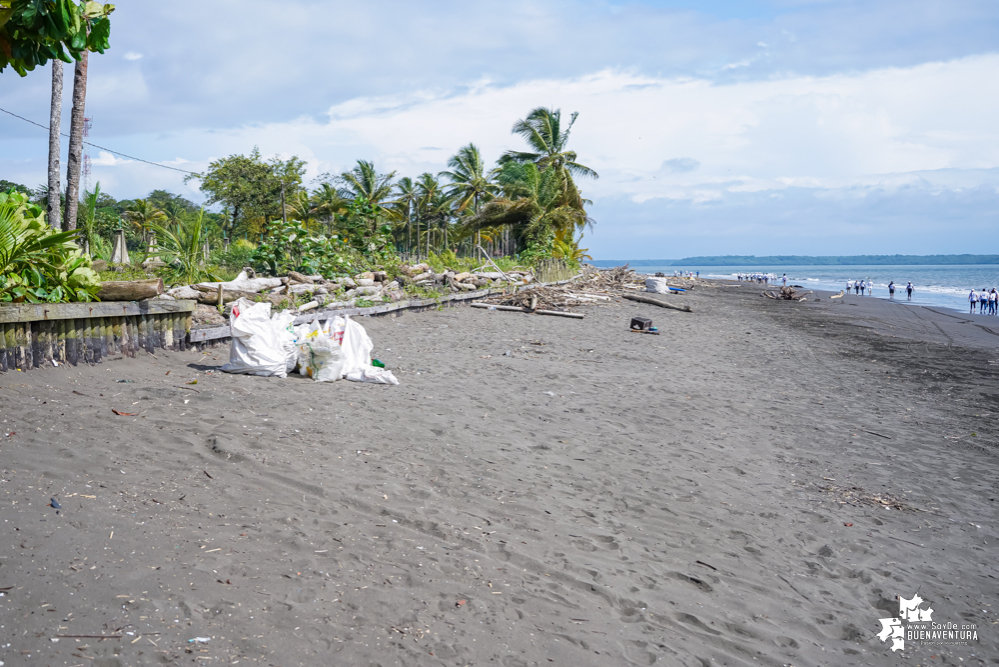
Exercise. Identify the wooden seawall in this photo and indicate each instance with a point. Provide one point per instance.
(35, 334)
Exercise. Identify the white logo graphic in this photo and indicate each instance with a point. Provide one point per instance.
(915, 624)
(909, 611)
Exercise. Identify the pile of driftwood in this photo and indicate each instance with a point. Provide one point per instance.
(786, 294)
(344, 292)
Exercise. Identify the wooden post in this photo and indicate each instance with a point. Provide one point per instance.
(127, 336)
(157, 323)
(59, 342)
(45, 338)
(3, 347)
(83, 353)
(115, 338)
(104, 337)
(88, 342)
(72, 354)
(8, 345)
(22, 359)
(140, 326)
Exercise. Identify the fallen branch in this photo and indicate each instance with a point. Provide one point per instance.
(492, 263)
(655, 302)
(520, 309)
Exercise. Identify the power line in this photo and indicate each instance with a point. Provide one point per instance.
(130, 157)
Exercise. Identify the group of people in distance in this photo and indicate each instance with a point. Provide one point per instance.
(762, 278)
(861, 286)
(908, 290)
(986, 301)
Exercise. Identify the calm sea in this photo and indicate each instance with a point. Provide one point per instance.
(935, 285)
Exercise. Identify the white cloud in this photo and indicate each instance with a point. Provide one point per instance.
(132, 55)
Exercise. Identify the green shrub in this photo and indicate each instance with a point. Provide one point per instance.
(38, 264)
(239, 254)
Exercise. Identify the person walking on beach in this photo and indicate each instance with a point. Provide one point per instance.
(856, 287)
(863, 286)
(908, 290)
(784, 279)
(891, 290)
(983, 299)
(973, 299)
(993, 301)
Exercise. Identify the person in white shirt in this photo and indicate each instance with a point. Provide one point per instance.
(973, 299)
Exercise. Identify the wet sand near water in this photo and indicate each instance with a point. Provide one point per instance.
(754, 486)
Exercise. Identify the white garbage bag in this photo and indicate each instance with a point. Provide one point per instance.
(285, 322)
(319, 356)
(357, 348)
(257, 341)
(656, 285)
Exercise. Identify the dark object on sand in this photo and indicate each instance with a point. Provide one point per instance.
(786, 294)
(641, 323)
(54, 503)
(655, 302)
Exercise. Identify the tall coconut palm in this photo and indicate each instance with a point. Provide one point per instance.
(433, 206)
(470, 185)
(55, 146)
(144, 215)
(406, 200)
(75, 157)
(543, 132)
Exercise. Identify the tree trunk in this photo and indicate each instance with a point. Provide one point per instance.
(55, 146)
(73, 162)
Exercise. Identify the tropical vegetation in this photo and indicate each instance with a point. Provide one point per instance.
(526, 207)
(32, 33)
(38, 264)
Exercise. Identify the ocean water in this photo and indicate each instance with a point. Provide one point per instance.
(944, 286)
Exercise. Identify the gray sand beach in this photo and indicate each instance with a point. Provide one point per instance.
(754, 486)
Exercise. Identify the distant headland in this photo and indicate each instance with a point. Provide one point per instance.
(805, 260)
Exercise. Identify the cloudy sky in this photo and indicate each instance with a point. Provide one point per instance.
(717, 127)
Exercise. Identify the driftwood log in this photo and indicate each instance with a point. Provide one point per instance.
(655, 302)
(210, 296)
(130, 290)
(521, 309)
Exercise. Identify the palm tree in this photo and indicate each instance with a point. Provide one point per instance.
(55, 145)
(469, 183)
(73, 162)
(534, 207)
(183, 247)
(86, 226)
(433, 206)
(406, 200)
(364, 181)
(542, 130)
(300, 204)
(328, 202)
(144, 215)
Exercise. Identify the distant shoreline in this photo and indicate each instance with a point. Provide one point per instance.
(808, 260)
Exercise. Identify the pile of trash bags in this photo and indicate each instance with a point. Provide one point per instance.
(271, 345)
